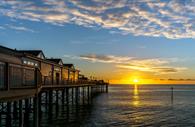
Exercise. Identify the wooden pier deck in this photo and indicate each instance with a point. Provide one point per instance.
(22, 93)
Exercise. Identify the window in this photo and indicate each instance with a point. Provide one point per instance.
(25, 62)
(15, 73)
(29, 77)
(30, 63)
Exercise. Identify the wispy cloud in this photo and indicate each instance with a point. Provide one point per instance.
(155, 65)
(172, 19)
(1, 27)
(178, 80)
(20, 28)
(155, 69)
(16, 27)
(106, 58)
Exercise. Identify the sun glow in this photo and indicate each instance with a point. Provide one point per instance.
(135, 81)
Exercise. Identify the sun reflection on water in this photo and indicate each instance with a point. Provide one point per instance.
(136, 101)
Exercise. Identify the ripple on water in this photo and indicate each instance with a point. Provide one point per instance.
(149, 106)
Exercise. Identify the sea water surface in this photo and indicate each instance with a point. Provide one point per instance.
(134, 106)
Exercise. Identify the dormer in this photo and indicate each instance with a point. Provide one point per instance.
(71, 66)
(57, 61)
(41, 55)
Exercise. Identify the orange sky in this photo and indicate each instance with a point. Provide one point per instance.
(144, 78)
(149, 81)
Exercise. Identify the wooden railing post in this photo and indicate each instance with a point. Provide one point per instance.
(36, 78)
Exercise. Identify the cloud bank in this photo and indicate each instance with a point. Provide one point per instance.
(172, 19)
(155, 65)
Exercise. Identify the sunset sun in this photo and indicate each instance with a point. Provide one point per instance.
(135, 81)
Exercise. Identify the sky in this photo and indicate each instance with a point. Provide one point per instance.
(115, 40)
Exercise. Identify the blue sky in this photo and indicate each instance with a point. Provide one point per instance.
(122, 38)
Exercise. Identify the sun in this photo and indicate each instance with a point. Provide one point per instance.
(135, 80)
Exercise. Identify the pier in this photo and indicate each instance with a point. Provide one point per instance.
(32, 85)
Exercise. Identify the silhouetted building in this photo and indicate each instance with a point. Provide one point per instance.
(22, 65)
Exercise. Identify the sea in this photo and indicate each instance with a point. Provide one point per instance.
(133, 106)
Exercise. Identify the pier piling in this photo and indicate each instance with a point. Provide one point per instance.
(63, 94)
(8, 114)
(172, 95)
(21, 120)
(26, 115)
(88, 94)
(36, 111)
(76, 96)
(57, 103)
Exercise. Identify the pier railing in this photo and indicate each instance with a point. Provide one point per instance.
(21, 77)
(14, 76)
(78, 82)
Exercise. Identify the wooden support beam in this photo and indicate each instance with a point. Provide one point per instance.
(91, 92)
(67, 96)
(72, 96)
(79, 94)
(46, 100)
(36, 116)
(83, 92)
(0, 120)
(15, 110)
(40, 105)
(63, 95)
(21, 117)
(67, 103)
(50, 104)
(8, 115)
(88, 94)
(57, 103)
(27, 113)
(106, 88)
(76, 96)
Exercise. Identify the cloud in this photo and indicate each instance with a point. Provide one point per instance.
(20, 28)
(171, 19)
(1, 27)
(158, 69)
(172, 79)
(155, 65)
(105, 58)
(17, 28)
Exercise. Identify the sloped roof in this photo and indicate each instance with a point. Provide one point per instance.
(32, 52)
(69, 65)
(55, 60)
(9, 51)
